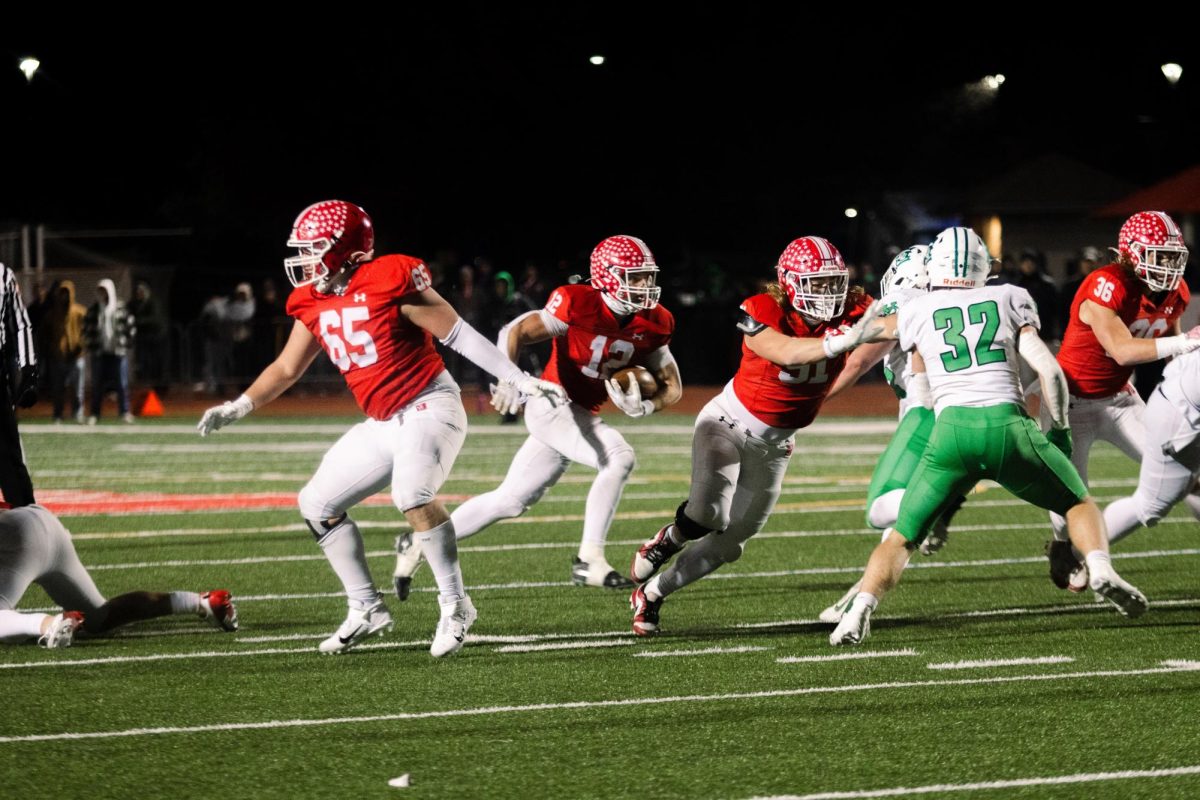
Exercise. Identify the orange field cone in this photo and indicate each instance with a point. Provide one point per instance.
(153, 407)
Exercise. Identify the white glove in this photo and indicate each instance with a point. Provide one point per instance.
(536, 387)
(839, 341)
(631, 401)
(505, 397)
(1169, 346)
(227, 413)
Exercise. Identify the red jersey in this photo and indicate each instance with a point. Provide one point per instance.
(788, 398)
(1089, 370)
(598, 343)
(385, 359)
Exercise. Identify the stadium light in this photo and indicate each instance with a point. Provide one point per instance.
(1172, 72)
(29, 65)
(851, 213)
(596, 61)
(993, 82)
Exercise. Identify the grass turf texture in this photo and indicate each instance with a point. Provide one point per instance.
(828, 726)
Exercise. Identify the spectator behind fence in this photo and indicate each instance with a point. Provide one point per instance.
(216, 346)
(1032, 277)
(60, 341)
(239, 329)
(150, 350)
(109, 330)
(271, 324)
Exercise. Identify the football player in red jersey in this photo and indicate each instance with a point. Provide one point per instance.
(376, 318)
(1119, 318)
(598, 329)
(795, 339)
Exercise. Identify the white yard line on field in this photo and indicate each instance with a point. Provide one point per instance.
(853, 655)
(991, 786)
(634, 702)
(1001, 662)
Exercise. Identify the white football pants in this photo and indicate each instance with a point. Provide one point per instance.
(36, 548)
(558, 435)
(1168, 470)
(736, 479)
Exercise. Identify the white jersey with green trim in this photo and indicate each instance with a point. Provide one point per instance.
(968, 339)
(897, 364)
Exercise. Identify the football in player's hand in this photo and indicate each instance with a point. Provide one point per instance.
(640, 374)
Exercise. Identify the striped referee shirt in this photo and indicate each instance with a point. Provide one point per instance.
(16, 334)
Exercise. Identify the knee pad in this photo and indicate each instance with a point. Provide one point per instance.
(1151, 509)
(690, 528)
(311, 506)
(322, 527)
(621, 461)
(509, 506)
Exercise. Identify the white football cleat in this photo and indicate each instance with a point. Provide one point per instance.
(217, 608)
(408, 560)
(599, 574)
(1126, 597)
(855, 626)
(61, 632)
(833, 615)
(360, 623)
(457, 618)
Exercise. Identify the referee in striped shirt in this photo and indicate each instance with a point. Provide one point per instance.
(18, 371)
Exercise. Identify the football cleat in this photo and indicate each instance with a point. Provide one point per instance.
(854, 628)
(645, 612)
(1126, 597)
(936, 539)
(217, 607)
(651, 556)
(597, 573)
(361, 622)
(833, 615)
(61, 632)
(408, 560)
(457, 618)
(1065, 567)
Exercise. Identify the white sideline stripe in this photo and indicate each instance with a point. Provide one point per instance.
(828, 427)
(472, 638)
(996, 612)
(321, 447)
(588, 704)
(500, 548)
(270, 651)
(584, 645)
(939, 788)
(1000, 662)
(707, 651)
(851, 656)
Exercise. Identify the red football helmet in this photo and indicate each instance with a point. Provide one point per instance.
(815, 278)
(1153, 243)
(623, 268)
(328, 234)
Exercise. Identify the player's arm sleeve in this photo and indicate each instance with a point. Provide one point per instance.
(906, 330)
(554, 325)
(1054, 384)
(473, 346)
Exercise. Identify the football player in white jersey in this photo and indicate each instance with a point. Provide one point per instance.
(905, 278)
(36, 548)
(1170, 451)
(969, 338)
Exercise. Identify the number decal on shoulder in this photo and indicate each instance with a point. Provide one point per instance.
(1104, 289)
(420, 278)
(334, 326)
(1143, 328)
(958, 357)
(555, 301)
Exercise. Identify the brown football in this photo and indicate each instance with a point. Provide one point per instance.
(642, 376)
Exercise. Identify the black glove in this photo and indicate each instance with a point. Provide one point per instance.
(27, 393)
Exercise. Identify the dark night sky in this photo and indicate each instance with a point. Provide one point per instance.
(716, 130)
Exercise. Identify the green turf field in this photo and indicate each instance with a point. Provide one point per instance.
(741, 696)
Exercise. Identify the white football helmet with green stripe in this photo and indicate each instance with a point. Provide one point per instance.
(907, 271)
(958, 259)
